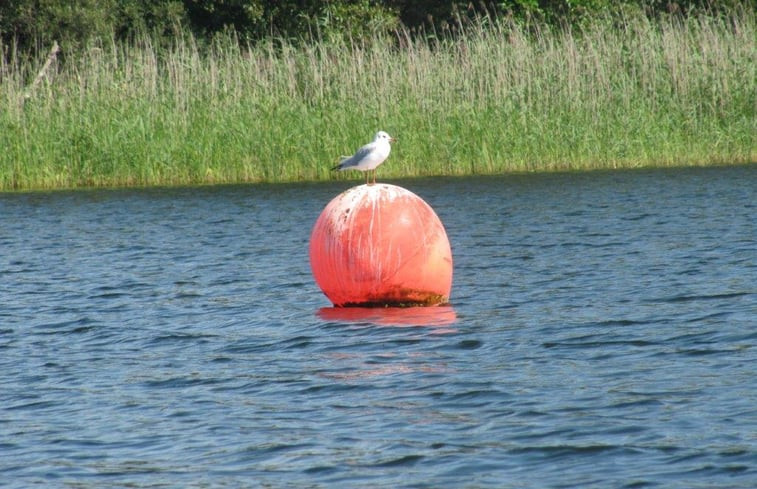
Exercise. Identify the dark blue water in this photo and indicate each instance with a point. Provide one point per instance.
(601, 334)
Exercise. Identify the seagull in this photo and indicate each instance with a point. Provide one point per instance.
(369, 156)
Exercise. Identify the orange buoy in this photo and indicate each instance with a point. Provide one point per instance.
(381, 245)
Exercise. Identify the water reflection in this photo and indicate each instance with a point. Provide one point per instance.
(438, 317)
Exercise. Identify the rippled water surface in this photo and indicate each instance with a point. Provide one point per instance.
(601, 333)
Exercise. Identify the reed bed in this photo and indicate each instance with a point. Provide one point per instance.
(499, 97)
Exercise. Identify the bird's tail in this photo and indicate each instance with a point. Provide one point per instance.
(341, 162)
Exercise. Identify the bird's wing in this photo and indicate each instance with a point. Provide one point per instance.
(345, 162)
(355, 159)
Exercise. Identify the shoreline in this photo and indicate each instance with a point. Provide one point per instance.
(357, 179)
(498, 98)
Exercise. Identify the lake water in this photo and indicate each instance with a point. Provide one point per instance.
(601, 334)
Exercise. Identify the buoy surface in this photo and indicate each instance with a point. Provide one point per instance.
(381, 245)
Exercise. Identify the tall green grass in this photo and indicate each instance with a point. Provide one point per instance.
(500, 97)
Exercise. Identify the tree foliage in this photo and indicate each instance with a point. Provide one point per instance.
(73, 23)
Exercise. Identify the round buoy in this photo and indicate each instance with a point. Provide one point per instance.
(381, 245)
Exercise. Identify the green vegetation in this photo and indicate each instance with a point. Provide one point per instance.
(499, 96)
(75, 23)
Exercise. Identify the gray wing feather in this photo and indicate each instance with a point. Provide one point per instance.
(349, 162)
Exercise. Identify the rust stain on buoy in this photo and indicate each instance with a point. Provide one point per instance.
(381, 245)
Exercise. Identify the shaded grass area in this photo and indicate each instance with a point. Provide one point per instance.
(621, 93)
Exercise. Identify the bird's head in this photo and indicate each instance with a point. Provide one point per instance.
(383, 136)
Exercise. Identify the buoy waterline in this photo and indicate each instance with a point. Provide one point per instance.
(381, 245)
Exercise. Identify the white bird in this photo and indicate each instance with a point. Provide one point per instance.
(369, 156)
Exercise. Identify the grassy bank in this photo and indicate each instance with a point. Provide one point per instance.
(500, 98)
